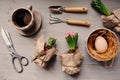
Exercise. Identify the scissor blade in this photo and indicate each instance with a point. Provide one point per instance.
(5, 36)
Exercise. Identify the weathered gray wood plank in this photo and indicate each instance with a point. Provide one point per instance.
(90, 69)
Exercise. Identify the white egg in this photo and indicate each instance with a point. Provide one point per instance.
(101, 44)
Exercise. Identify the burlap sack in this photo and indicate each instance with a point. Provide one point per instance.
(71, 61)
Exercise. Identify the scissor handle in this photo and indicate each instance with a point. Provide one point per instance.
(24, 61)
(18, 63)
(15, 65)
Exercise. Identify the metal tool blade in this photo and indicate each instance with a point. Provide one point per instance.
(5, 36)
(56, 9)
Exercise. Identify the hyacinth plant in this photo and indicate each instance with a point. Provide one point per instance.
(50, 43)
(71, 38)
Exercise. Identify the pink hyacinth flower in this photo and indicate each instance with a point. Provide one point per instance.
(72, 34)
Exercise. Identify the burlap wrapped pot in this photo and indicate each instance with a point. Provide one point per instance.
(112, 41)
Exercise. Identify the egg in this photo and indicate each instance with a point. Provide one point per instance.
(101, 44)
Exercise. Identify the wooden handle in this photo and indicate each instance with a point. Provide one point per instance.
(76, 9)
(76, 22)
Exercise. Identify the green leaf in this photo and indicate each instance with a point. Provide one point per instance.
(72, 42)
(100, 7)
(76, 39)
(51, 41)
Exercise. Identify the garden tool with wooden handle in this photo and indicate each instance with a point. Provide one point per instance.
(54, 20)
(60, 9)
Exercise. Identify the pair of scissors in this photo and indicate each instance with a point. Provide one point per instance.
(17, 60)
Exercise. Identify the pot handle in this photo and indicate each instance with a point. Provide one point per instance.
(30, 7)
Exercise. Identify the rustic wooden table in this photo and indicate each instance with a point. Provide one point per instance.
(90, 69)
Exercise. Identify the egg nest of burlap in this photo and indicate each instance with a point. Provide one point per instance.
(112, 41)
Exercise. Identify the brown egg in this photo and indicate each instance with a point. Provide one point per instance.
(101, 44)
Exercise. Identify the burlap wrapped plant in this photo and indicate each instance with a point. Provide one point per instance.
(112, 48)
(71, 59)
(44, 51)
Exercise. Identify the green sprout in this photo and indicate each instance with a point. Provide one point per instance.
(51, 42)
(71, 38)
(100, 7)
